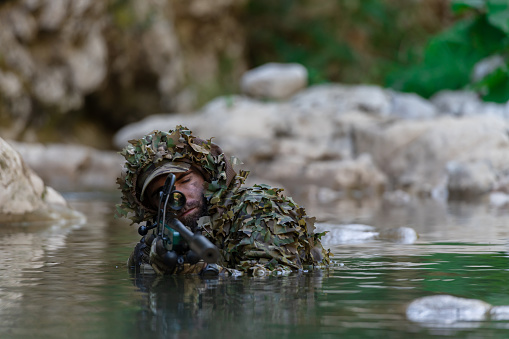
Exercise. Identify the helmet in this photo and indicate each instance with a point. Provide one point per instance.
(160, 152)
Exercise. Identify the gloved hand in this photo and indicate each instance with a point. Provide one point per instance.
(161, 260)
(169, 262)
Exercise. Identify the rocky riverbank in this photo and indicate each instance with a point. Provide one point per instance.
(340, 141)
(326, 142)
(24, 198)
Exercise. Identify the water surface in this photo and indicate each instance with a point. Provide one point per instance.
(71, 281)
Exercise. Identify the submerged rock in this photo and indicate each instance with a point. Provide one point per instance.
(402, 235)
(359, 233)
(448, 309)
(23, 195)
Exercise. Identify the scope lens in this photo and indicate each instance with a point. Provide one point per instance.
(177, 200)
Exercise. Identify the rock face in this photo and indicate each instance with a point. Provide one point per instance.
(23, 195)
(355, 141)
(331, 141)
(57, 71)
(59, 57)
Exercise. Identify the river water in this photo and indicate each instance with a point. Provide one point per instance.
(71, 280)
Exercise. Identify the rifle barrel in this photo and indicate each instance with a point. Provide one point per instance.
(197, 242)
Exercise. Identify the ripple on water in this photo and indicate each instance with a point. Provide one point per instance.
(73, 283)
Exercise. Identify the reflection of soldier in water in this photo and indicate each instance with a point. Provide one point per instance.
(254, 228)
(183, 306)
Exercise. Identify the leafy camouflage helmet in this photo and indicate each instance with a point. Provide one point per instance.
(144, 156)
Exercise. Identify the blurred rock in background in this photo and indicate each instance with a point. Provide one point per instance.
(74, 71)
(80, 78)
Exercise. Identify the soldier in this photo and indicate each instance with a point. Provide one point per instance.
(256, 229)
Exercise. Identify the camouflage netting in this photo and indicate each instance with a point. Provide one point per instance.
(252, 226)
(177, 145)
(258, 225)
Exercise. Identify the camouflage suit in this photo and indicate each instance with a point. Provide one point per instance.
(253, 227)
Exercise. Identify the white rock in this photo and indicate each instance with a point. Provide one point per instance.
(498, 199)
(10, 86)
(72, 167)
(457, 103)
(53, 13)
(411, 106)
(446, 309)
(335, 99)
(359, 174)
(346, 234)
(351, 137)
(487, 66)
(50, 84)
(499, 313)
(88, 63)
(397, 198)
(274, 80)
(414, 154)
(467, 103)
(24, 196)
(470, 179)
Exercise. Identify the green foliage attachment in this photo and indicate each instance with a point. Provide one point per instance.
(159, 146)
(450, 57)
(252, 227)
(260, 227)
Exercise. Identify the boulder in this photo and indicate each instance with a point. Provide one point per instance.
(23, 195)
(72, 167)
(338, 98)
(359, 174)
(471, 178)
(467, 103)
(357, 138)
(411, 106)
(414, 154)
(274, 81)
(447, 309)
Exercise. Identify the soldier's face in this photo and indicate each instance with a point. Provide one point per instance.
(191, 184)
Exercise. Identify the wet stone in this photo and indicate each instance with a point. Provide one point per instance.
(446, 309)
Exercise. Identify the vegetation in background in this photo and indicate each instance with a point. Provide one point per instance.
(348, 41)
(412, 46)
(450, 57)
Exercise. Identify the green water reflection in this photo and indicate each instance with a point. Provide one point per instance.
(72, 282)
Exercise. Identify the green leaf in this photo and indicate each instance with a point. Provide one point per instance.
(450, 57)
(459, 6)
(494, 86)
(498, 14)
